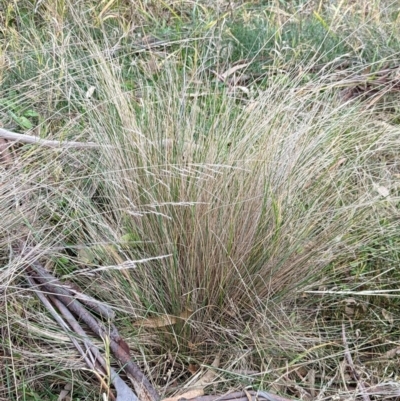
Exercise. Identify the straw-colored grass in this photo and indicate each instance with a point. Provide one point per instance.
(256, 216)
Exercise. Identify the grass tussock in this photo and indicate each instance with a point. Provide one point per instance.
(259, 213)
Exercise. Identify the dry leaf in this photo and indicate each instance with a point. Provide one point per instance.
(350, 306)
(248, 395)
(159, 321)
(87, 255)
(106, 7)
(193, 368)
(188, 395)
(388, 316)
(242, 88)
(382, 191)
(392, 353)
(232, 70)
(163, 320)
(238, 80)
(90, 92)
(63, 396)
(210, 374)
(338, 164)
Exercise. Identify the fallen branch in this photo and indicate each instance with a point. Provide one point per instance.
(238, 396)
(102, 309)
(63, 296)
(124, 393)
(24, 138)
(47, 304)
(143, 388)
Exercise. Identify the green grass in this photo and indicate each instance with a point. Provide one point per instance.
(266, 209)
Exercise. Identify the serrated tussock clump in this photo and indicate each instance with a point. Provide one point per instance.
(221, 205)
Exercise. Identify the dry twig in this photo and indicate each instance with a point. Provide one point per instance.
(353, 370)
(13, 136)
(240, 396)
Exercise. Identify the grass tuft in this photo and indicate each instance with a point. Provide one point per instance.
(257, 208)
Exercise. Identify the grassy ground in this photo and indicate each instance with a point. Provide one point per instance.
(249, 157)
